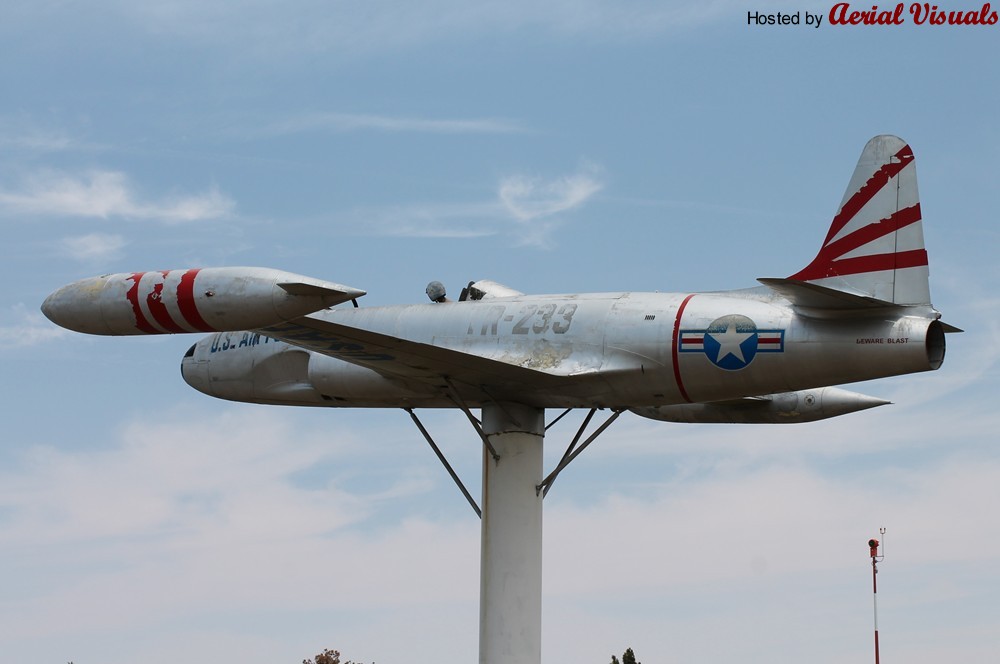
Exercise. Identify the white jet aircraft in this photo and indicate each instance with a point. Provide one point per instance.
(774, 353)
(860, 310)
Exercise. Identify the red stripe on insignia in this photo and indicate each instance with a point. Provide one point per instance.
(867, 192)
(675, 346)
(187, 305)
(132, 295)
(768, 340)
(159, 310)
(826, 259)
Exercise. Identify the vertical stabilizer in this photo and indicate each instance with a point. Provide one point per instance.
(875, 246)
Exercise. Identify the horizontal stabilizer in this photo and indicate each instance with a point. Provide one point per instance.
(805, 294)
(335, 293)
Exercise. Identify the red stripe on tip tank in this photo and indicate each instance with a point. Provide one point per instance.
(132, 295)
(187, 304)
(154, 301)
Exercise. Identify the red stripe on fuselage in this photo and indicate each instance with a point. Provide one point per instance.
(674, 343)
(187, 305)
(132, 295)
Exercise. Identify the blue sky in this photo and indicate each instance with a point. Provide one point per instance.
(567, 147)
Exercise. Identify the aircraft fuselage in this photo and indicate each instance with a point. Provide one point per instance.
(614, 349)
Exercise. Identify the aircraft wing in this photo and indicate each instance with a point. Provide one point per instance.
(403, 358)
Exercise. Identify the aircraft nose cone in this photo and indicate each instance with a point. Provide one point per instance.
(195, 372)
(63, 309)
(77, 307)
(50, 309)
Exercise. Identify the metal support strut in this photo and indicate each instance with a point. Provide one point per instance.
(571, 454)
(457, 398)
(441, 457)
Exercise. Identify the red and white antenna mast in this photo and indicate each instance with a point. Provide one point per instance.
(876, 558)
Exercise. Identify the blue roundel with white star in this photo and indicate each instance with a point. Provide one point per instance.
(731, 342)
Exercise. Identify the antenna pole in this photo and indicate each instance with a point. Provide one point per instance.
(876, 558)
(875, 604)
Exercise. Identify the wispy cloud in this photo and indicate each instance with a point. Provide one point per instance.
(36, 141)
(106, 194)
(530, 198)
(527, 209)
(535, 203)
(372, 27)
(92, 247)
(27, 328)
(350, 122)
(24, 133)
(440, 220)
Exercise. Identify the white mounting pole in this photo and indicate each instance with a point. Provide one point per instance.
(510, 599)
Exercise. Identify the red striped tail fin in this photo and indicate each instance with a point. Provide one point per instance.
(875, 246)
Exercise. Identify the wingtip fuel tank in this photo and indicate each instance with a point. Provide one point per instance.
(194, 300)
(781, 408)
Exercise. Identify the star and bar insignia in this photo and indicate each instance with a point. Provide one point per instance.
(731, 342)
